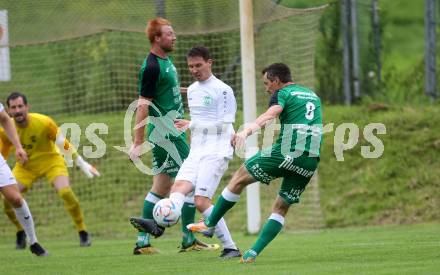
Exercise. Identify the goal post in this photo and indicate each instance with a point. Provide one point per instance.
(249, 106)
(5, 64)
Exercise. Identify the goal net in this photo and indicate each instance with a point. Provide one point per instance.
(77, 61)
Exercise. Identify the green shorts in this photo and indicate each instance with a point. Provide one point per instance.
(169, 155)
(296, 172)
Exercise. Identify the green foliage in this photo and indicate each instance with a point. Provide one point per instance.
(404, 86)
(399, 187)
(83, 60)
(328, 68)
(403, 37)
(402, 34)
(329, 57)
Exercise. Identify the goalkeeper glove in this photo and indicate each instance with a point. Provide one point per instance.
(86, 168)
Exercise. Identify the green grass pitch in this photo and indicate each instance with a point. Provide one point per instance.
(409, 249)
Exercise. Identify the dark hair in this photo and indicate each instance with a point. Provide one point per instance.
(279, 70)
(15, 95)
(201, 51)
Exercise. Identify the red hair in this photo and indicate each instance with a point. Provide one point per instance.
(154, 26)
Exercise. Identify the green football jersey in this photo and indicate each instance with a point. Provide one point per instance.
(158, 80)
(301, 120)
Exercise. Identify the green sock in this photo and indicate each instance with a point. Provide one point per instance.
(188, 213)
(143, 239)
(147, 213)
(220, 208)
(147, 210)
(267, 234)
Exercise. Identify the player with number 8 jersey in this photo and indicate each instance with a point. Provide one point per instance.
(294, 156)
(301, 119)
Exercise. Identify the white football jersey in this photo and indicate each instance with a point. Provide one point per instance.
(212, 109)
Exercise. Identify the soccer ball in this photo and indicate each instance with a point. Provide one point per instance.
(166, 213)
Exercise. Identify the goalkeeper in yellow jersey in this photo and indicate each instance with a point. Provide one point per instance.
(40, 137)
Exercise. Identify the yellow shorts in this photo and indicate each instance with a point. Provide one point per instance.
(51, 169)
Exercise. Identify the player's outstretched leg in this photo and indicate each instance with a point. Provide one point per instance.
(270, 230)
(148, 226)
(225, 202)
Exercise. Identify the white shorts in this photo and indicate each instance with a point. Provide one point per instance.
(6, 176)
(204, 172)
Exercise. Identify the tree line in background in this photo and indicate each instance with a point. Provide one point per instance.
(349, 57)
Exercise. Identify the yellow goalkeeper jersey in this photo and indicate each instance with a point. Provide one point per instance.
(38, 140)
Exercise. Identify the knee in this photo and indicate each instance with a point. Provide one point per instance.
(12, 197)
(181, 186)
(202, 203)
(68, 195)
(15, 201)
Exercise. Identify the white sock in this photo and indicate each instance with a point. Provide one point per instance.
(277, 217)
(189, 199)
(229, 196)
(25, 218)
(221, 231)
(153, 198)
(178, 199)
